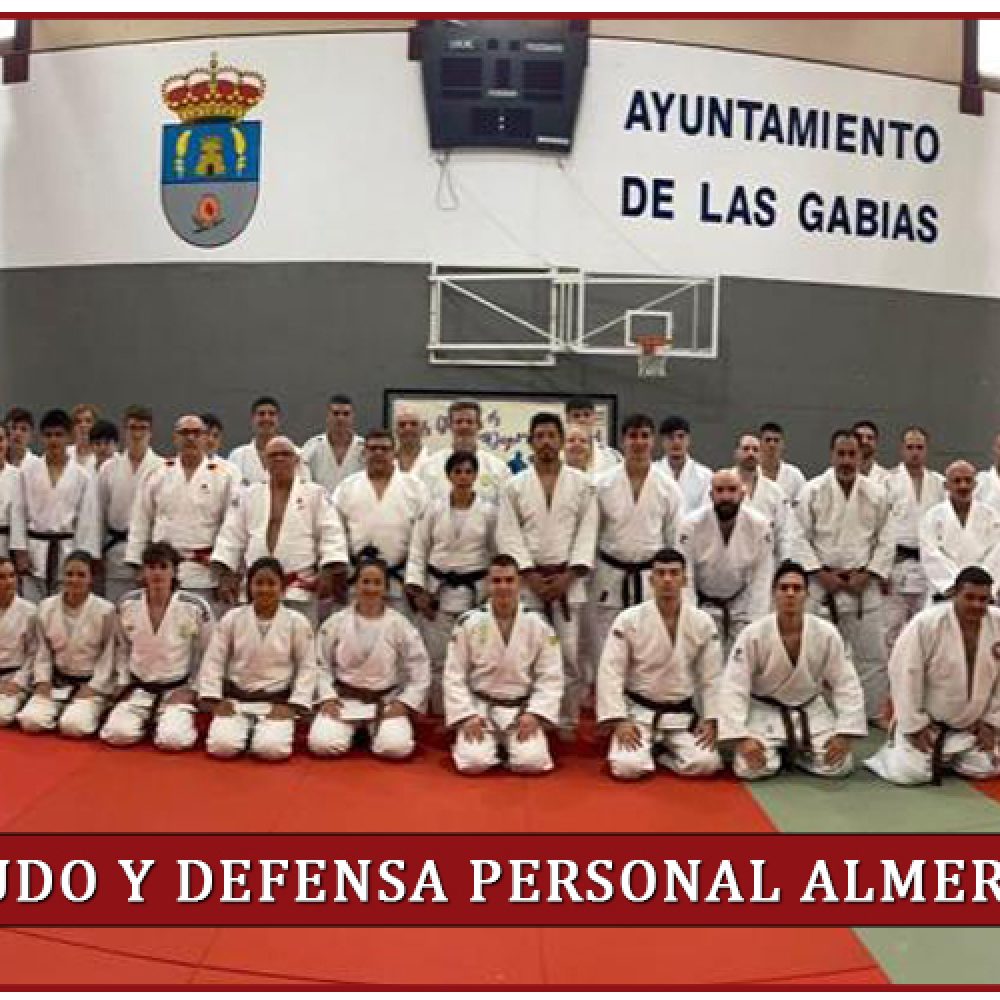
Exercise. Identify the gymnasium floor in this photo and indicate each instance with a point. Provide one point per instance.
(54, 785)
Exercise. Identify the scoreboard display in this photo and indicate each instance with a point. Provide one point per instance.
(501, 84)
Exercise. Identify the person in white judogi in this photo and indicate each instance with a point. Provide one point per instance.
(729, 550)
(20, 426)
(548, 523)
(639, 511)
(959, 532)
(844, 517)
(867, 434)
(772, 465)
(57, 513)
(411, 452)
(694, 479)
(503, 681)
(379, 508)
(337, 453)
(988, 480)
(290, 519)
(374, 673)
(184, 502)
(450, 554)
(265, 419)
(945, 678)
(117, 482)
(74, 665)
(465, 422)
(259, 671)
(18, 642)
(789, 693)
(163, 633)
(10, 493)
(913, 490)
(84, 416)
(658, 681)
(581, 411)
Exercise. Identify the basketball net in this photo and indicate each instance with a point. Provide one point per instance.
(653, 349)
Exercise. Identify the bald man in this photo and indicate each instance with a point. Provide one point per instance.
(411, 452)
(959, 532)
(729, 550)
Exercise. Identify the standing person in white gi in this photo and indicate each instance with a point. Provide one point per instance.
(944, 672)
(338, 452)
(20, 426)
(773, 701)
(913, 490)
(288, 518)
(10, 493)
(729, 550)
(958, 532)
(106, 442)
(465, 421)
(117, 482)
(772, 465)
(844, 517)
(988, 480)
(259, 672)
(579, 450)
(265, 419)
(581, 411)
(548, 523)
(411, 452)
(867, 433)
(373, 673)
(163, 633)
(450, 554)
(74, 666)
(58, 512)
(503, 681)
(639, 511)
(84, 416)
(18, 642)
(184, 502)
(658, 681)
(692, 477)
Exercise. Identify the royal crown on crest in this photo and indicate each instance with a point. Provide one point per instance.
(219, 93)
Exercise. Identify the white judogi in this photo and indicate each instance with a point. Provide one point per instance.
(909, 586)
(789, 478)
(603, 459)
(384, 523)
(74, 648)
(490, 480)
(29, 458)
(879, 475)
(454, 543)
(695, 482)
(18, 642)
(760, 668)
(319, 457)
(498, 681)
(563, 533)
(366, 665)
(10, 495)
(247, 460)
(730, 580)
(254, 665)
(152, 664)
(421, 459)
(931, 684)
(988, 487)
(52, 521)
(187, 513)
(844, 533)
(88, 462)
(310, 537)
(769, 500)
(947, 546)
(641, 661)
(117, 483)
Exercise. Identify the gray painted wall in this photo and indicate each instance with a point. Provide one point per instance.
(213, 336)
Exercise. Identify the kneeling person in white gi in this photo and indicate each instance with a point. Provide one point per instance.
(373, 672)
(75, 662)
(503, 680)
(162, 636)
(773, 702)
(18, 642)
(943, 675)
(259, 671)
(658, 676)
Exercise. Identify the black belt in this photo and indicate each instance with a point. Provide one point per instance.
(60, 679)
(115, 537)
(548, 607)
(492, 699)
(231, 690)
(51, 554)
(830, 600)
(4, 671)
(368, 696)
(457, 581)
(905, 552)
(660, 708)
(792, 744)
(157, 688)
(4, 530)
(632, 590)
(937, 751)
(722, 603)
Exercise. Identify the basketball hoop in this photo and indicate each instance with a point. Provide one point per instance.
(653, 350)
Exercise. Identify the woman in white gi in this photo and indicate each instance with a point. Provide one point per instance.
(259, 671)
(18, 641)
(943, 674)
(373, 672)
(450, 555)
(162, 636)
(74, 666)
(773, 702)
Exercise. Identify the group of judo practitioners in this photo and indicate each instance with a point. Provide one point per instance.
(743, 617)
